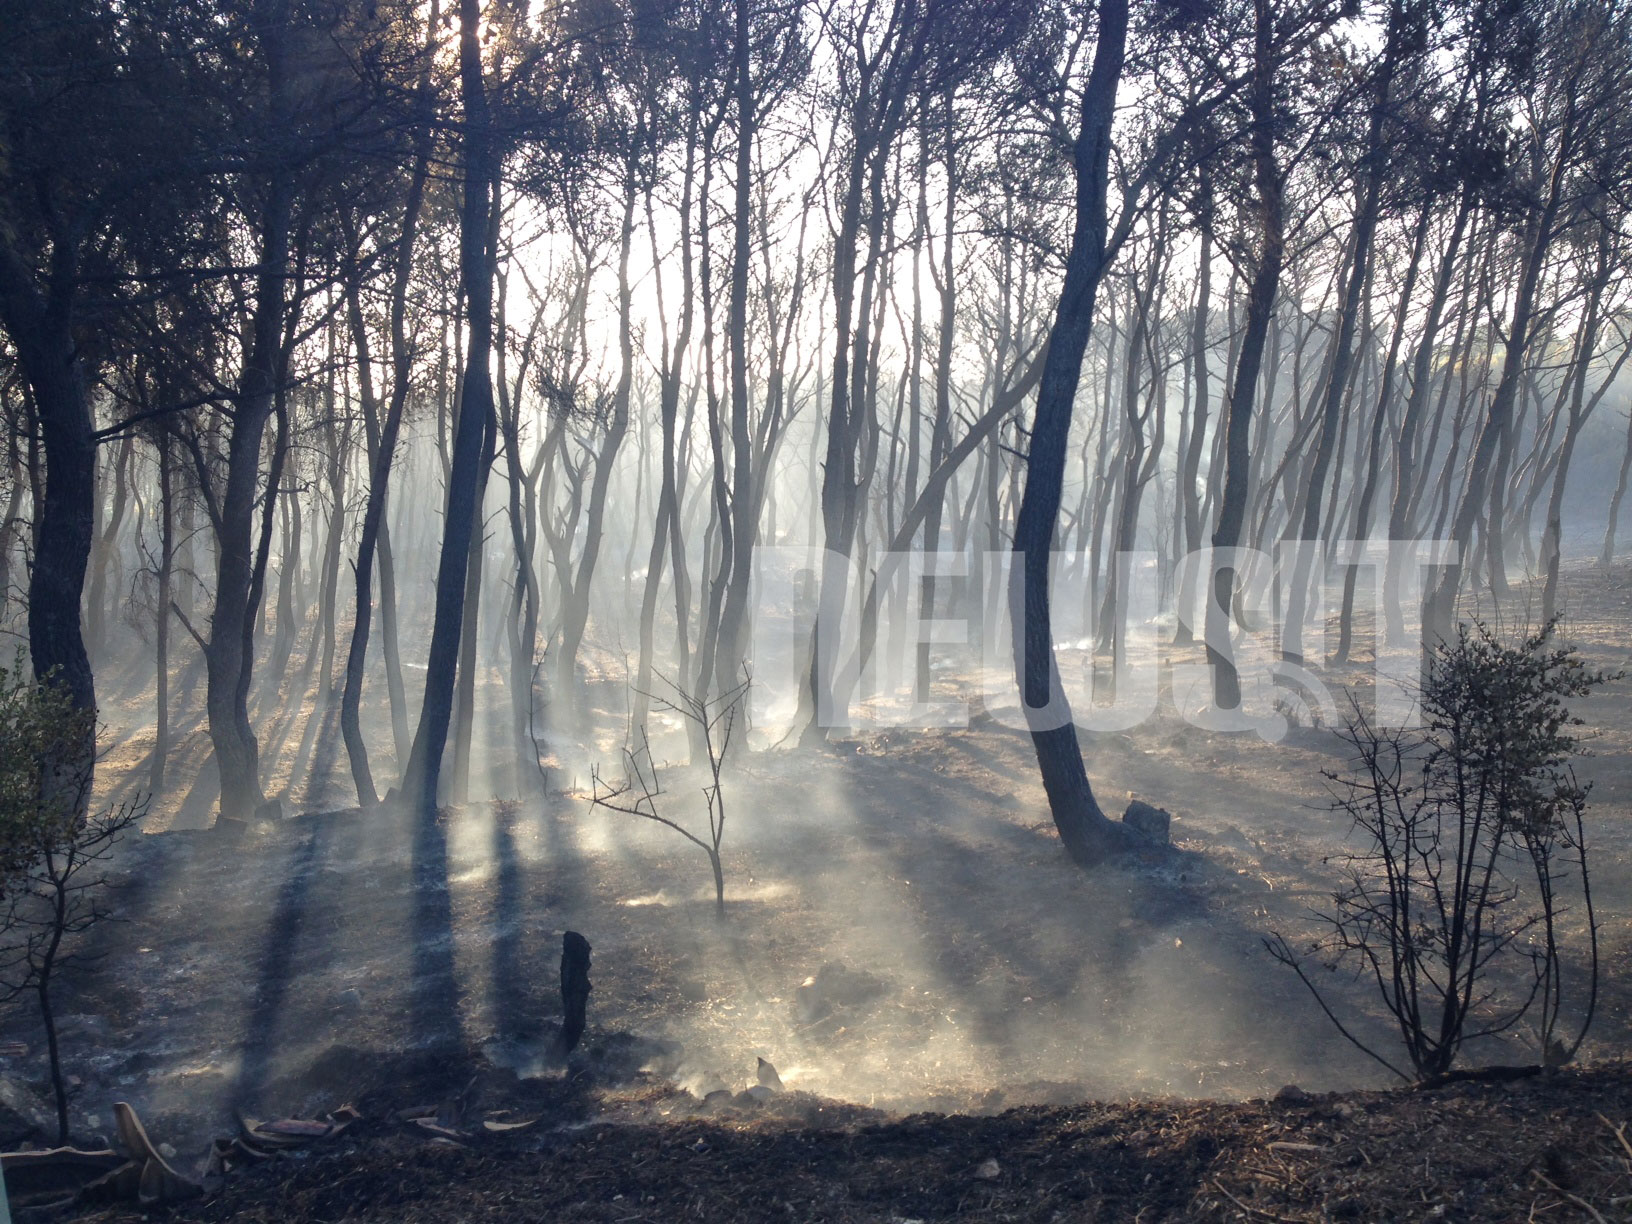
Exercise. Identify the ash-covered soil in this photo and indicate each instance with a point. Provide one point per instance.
(1552, 1148)
(903, 934)
(960, 961)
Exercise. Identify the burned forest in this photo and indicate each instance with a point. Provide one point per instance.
(835, 610)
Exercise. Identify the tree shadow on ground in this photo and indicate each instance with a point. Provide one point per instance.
(287, 935)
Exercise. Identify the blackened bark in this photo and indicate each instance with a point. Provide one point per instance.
(63, 526)
(744, 502)
(289, 562)
(339, 443)
(575, 612)
(1368, 210)
(424, 768)
(107, 548)
(1580, 408)
(575, 989)
(666, 532)
(1439, 607)
(1379, 419)
(940, 439)
(457, 787)
(1606, 552)
(39, 322)
(882, 94)
(524, 605)
(1263, 285)
(1088, 836)
(228, 661)
(161, 619)
(1199, 408)
(375, 533)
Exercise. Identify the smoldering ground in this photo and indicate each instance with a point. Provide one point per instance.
(901, 930)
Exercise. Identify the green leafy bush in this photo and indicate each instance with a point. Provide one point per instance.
(45, 767)
(1472, 854)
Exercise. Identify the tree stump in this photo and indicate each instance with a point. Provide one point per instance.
(574, 989)
(1149, 822)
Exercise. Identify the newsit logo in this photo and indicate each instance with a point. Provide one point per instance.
(882, 640)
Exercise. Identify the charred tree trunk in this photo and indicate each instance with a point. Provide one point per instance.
(228, 661)
(575, 990)
(876, 119)
(161, 619)
(107, 550)
(575, 612)
(464, 723)
(1191, 470)
(940, 430)
(422, 775)
(40, 326)
(1368, 212)
(1579, 408)
(1263, 286)
(1088, 836)
(329, 592)
(1379, 419)
(1606, 554)
(666, 531)
(383, 454)
(744, 501)
(283, 640)
(1439, 608)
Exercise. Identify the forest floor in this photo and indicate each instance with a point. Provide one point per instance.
(903, 934)
(1538, 1149)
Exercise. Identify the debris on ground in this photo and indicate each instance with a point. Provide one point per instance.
(1553, 1147)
